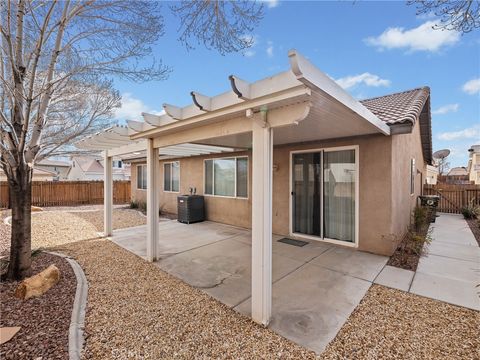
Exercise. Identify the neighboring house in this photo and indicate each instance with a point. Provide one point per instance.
(86, 168)
(38, 175)
(431, 177)
(457, 175)
(473, 167)
(60, 168)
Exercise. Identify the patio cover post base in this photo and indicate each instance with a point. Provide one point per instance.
(262, 138)
(108, 196)
(152, 201)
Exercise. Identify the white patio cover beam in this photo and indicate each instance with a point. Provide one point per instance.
(262, 150)
(310, 75)
(153, 175)
(108, 195)
(203, 102)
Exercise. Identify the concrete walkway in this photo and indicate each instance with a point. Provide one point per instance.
(450, 269)
(315, 287)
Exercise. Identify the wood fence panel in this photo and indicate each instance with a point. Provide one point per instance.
(454, 197)
(68, 193)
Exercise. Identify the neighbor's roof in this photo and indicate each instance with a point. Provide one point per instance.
(48, 162)
(399, 108)
(89, 165)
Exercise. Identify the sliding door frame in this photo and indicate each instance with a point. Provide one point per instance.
(293, 234)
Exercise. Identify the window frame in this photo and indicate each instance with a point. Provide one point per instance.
(413, 171)
(171, 178)
(235, 177)
(138, 167)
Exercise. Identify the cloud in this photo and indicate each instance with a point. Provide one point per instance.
(132, 108)
(366, 78)
(270, 49)
(472, 86)
(253, 40)
(421, 38)
(468, 133)
(249, 53)
(272, 3)
(445, 109)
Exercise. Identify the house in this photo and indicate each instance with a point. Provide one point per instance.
(473, 167)
(88, 167)
(431, 176)
(38, 175)
(60, 168)
(293, 154)
(457, 175)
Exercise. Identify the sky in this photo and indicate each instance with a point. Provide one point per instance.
(369, 48)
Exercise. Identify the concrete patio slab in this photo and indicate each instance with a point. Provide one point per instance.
(223, 269)
(323, 300)
(300, 253)
(455, 292)
(355, 263)
(395, 278)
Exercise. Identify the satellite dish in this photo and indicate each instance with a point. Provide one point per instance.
(441, 154)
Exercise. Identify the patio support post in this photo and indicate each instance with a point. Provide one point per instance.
(108, 194)
(262, 137)
(152, 200)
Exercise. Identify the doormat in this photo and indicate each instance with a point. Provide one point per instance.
(293, 242)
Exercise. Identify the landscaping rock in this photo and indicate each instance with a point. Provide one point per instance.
(38, 284)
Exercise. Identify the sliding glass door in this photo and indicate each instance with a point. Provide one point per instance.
(324, 194)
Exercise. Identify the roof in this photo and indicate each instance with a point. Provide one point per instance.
(458, 171)
(48, 162)
(88, 164)
(399, 108)
(404, 107)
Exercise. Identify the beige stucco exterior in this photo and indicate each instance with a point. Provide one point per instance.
(385, 203)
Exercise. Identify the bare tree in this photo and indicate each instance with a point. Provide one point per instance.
(462, 16)
(56, 62)
(221, 25)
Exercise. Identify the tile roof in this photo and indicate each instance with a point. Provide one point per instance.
(49, 162)
(399, 108)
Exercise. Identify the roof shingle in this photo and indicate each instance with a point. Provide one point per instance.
(399, 108)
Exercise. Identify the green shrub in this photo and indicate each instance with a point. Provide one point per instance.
(471, 211)
(420, 218)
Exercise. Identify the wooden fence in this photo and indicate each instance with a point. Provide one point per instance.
(67, 193)
(453, 197)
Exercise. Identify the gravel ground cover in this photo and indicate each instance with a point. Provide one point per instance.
(52, 228)
(474, 225)
(392, 324)
(135, 310)
(122, 218)
(44, 321)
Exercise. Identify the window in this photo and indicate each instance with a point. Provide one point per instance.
(227, 177)
(412, 176)
(171, 176)
(141, 177)
(117, 164)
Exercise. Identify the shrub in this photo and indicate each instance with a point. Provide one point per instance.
(471, 211)
(420, 218)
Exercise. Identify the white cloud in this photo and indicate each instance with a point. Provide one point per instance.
(472, 86)
(445, 109)
(253, 40)
(249, 53)
(468, 133)
(421, 38)
(366, 78)
(270, 49)
(271, 3)
(132, 108)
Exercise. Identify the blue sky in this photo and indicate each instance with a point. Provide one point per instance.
(370, 48)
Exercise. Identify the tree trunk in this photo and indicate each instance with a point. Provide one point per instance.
(20, 244)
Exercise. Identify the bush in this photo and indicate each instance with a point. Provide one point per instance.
(471, 211)
(138, 205)
(420, 218)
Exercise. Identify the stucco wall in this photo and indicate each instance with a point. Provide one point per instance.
(375, 190)
(404, 148)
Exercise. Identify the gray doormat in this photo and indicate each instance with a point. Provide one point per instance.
(293, 242)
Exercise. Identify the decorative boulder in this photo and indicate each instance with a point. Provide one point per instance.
(39, 284)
